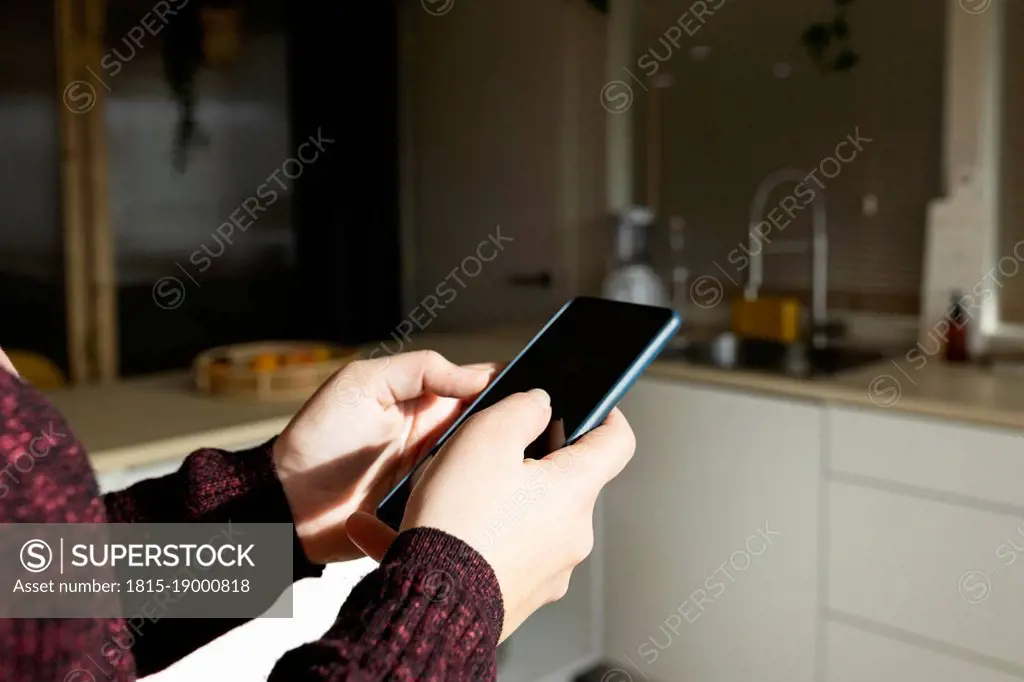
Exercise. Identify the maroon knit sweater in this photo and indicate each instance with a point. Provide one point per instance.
(399, 623)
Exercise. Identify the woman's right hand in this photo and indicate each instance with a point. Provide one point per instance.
(6, 364)
(532, 520)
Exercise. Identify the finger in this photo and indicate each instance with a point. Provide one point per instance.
(410, 375)
(493, 369)
(433, 416)
(6, 364)
(370, 534)
(516, 420)
(600, 455)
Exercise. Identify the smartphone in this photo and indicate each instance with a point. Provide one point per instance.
(586, 357)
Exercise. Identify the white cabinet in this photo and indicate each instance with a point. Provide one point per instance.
(934, 456)
(853, 655)
(925, 549)
(948, 576)
(710, 556)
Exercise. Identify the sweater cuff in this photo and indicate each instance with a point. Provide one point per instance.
(431, 611)
(266, 501)
(449, 569)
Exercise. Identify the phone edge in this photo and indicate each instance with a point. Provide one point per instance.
(628, 378)
(469, 408)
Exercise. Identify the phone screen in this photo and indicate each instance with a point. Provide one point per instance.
(581, 357)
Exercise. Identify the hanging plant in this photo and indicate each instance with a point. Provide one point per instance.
(201, 34)
(828, 43)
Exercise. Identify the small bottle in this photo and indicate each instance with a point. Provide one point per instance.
(956, 337)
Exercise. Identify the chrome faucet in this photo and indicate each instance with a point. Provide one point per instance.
(819, 249)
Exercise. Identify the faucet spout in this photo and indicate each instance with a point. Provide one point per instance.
(819, 247)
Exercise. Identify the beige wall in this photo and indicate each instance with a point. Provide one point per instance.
(728, 122)
(502, 125)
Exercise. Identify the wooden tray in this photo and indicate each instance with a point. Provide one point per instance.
(269, 371)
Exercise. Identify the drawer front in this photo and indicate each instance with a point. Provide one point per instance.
(856, 656)
(966, 460)
(954, 575)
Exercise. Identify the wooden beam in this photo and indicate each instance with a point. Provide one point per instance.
(91, 286)
(102, 266)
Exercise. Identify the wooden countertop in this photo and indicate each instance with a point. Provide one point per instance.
(152, 419)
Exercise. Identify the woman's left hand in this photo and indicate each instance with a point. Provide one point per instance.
(359, 434)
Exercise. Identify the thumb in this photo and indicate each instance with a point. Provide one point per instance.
(370, 534)
(516, 420)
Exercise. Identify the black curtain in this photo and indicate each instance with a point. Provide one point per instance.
(344, 80)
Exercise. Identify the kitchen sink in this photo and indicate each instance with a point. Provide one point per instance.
(726, 351)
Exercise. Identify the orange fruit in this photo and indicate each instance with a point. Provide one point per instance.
(296, 357)
(265, 362)
(321, 354)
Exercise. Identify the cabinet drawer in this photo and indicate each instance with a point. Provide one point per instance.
(952, 574)
(691, 593)
(856, 656)
(978, 462)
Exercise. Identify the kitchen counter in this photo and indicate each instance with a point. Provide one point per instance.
(152, 419)
(963, 393)
(145, 420)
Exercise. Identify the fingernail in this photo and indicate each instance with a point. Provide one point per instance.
(541, 397)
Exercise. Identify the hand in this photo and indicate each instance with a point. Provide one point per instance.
(532, 520)
(360, 434)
